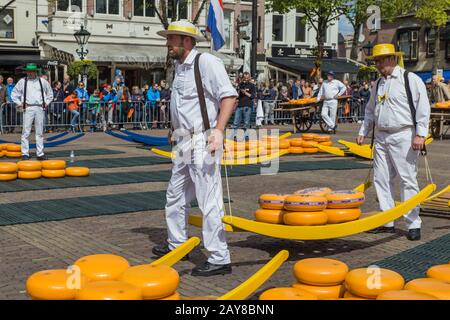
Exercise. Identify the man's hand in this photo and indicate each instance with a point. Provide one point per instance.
(418, 143)
(215, 140)
(360, 140)
(335, 97)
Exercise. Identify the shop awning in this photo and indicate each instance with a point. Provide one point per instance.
(230, 62)
(305, 65)
(119, 53)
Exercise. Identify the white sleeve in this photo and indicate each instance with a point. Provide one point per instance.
(48, 92)
(215, 78)
(17, 92)
(320, 94)
(342, 88)
(422, 105)
(369, 114)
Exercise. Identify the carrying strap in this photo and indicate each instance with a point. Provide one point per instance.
(25, 93)
(201, 93)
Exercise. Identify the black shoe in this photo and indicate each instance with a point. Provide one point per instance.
(209, 269)
(413, 234)
(41, 158)
(382, 230)
(160, 251)
(25, 157)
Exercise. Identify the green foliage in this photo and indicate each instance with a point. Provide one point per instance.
(367, 73)
(433, 12)
(76, 68)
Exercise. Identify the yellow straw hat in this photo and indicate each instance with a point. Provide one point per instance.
(183, 28)
(384, 50)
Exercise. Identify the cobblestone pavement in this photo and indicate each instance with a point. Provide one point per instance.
(27, 248)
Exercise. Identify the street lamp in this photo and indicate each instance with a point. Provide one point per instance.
(368, 48)
(82, 38)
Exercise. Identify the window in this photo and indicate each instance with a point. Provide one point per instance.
(228, 26)
(107, 6)
(431, 42)
(7, 24)
(277, 28)
(182, 9)
(300, 29)
(70, 5)
(408, 44)
(144, 8)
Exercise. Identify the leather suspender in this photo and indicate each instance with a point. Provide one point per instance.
(25, 93)
(201, 93)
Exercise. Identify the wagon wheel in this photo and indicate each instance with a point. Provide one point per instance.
(323, 126)
(303, 122)
(435, 128)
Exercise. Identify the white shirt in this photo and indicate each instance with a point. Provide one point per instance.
(330, 89)
(184, 105)
(389, 107)
(34, 95)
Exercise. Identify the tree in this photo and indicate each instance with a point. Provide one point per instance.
(76, 68)
(435, 14)
(318, 13)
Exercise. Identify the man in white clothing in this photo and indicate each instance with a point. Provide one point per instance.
(330, 91)
(196, 169)
(33, 94)
(400, 119)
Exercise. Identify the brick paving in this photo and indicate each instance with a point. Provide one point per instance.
(27, 248)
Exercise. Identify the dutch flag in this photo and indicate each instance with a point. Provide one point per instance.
(216, 24)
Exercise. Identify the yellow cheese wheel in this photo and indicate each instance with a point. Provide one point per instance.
(13, 154)
(348, 295)
(3, 146)
(53, 173)
(308, 136)
(440, 272)
(2, 153)
(155, 281)
(102, 266)
(296, 142)
(311, 150)
(29, 165)
(8, 167)
(271, 201)
(314, 191)
(305, 218)
(251, 144)
(433, 287)
(8, 176)
(320, 271)
(370, 283)
(342, 199)
(269, 216)
(296, 150)
(326, 143)
(322, 292)
(14, 148)
(309, 144)
(354, 298)
(53, 164)
(286, 294)
(405, 295)
(58, 284)
(276, 144)
(77, 171)
(29, 175)
(298, 202)
(323, 138)
(342, 215)
(174, 296)
(109, 290)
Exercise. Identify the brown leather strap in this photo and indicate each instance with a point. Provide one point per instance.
(201, 93)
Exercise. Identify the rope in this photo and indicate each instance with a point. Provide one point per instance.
(227, 184)
(427, 170)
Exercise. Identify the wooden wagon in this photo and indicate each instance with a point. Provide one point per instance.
(439, 121)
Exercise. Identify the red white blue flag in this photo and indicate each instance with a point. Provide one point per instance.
(216, 24)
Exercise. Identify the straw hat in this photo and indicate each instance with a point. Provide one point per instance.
(383, 50)
(183, 28)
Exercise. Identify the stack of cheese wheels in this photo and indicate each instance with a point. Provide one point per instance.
(53, 168)
(371, 282)
(321, 277)
(296, 146)
(13, 150)
(77, 171)
(314, 191)
(155, 281)
(308, 143)
(287, 294)
(305, 210)
(275, 144)
(3, 150)
(433, 287)
(323, 140)
(271, 208)
(29, 169)
(440, 272)
(343, 205)
(8, 171)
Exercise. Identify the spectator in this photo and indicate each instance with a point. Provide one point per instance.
(125, 105)
(153, 99)
(297, 90)
(317, 87)
(83, 95)
(10, 86)
(348, 88)
(119, 79)
(284, 94)
(165, 100)
(68, 87)
(109, 98)
(95, 111)
(3, 92)
(364, 96)
(73, 103)
(290, 87)
(12, 120)
(145, 90)
(57, 106)
(269, 104)
(247, 94)
(137, 99)
(439, 91)
(307, 90)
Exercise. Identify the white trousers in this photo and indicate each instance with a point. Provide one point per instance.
(329, 110)
(36, 114)
(394, 157)
(197, 179)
